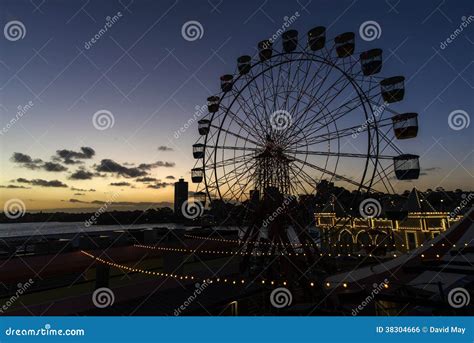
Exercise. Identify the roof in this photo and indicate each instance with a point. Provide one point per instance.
(416, 202)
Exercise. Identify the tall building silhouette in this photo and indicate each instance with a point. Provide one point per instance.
(180, 195)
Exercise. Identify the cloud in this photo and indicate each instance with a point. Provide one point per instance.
(78, 201)
(110, 166)
(148, 166)
(164, 148)
(118, 184)
(73, 157)
(159, 185)
(82, 190)
(53, 167)
(15, 186)
(26, 161)
(35, 164)
(146, 179)
(82, 174)
(42, 183)
(170, 177)
(79, 193)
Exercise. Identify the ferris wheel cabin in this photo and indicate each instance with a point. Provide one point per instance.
(196, 175)
(407, 167)
(213, 104)
(244, 64)
(265, 51)
(371, 61)
(317, 38)
(290, 40)
(203, 126)
(345, 44)
(198, 151)
(393, 89)
(227, 81)
(405, 125)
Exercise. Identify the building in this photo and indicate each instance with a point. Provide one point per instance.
(419, 223)
(180, 196)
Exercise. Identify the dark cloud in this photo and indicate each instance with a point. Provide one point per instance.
(79, 194)
(34, 164)
(81, 174)
(14, 186)
(26, 161)
(146, 179)
(164, 148)
(171, 177)
(159, 185)
(53, 167)
(42, 183)
(118, 184)
(148, 166)
(82, 190)
(78, 201)
(73, 157)
(110, 166)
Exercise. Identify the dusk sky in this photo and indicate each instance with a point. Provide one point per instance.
(151, 80)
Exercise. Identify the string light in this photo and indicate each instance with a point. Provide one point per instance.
(175, 276)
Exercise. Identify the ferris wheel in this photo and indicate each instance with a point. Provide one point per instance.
(290, 117)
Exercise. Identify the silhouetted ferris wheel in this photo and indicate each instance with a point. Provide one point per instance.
(314, 110)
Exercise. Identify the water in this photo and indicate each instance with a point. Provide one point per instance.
(34, 229)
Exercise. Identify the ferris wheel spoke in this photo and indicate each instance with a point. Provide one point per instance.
(297, 75)
(356, 101)
(228, 147)
(231, 160)
(333, 174)
(315, 97)
(235, 134)
(338, 154)
(308, 109)
(328, 136)
(258, 102)
(341, 78)
(298, 174)
(249, 129)
(249, 113)
(238, 179)
(335, 117)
